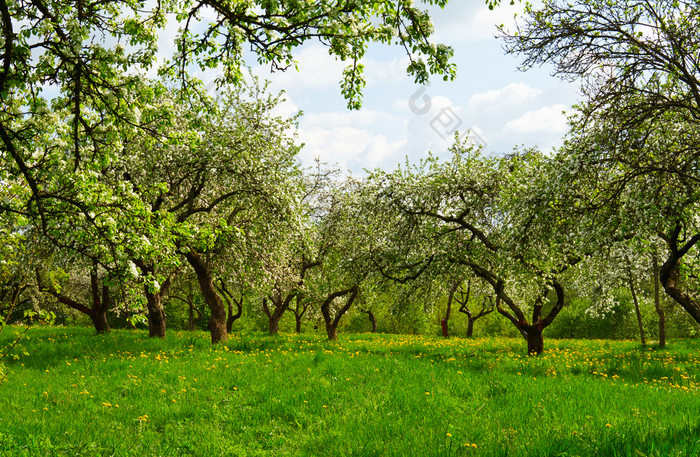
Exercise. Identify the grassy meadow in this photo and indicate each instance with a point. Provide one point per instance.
(70, 392)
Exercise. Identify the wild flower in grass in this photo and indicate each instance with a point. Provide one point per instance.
(449, 435)
(106, 404)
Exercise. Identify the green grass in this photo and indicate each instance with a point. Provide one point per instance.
(124, 394)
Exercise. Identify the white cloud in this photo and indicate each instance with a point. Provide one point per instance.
(316, 69)
(546, 120)
(350, 147)
(286, 109)
(379, 72)
(361, 118)
(472, 21)
(514, 94)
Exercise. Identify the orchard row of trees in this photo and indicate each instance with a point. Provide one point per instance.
(151, 191)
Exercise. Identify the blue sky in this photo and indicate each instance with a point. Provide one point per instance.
(502, 105)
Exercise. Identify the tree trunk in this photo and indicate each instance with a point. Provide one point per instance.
(274, 324)
(670, 271)
(98, 309)
(448, 312)
(373, 320)
(99, 320)
(331, 322)
(280, 306)
(657, 304)
(535, 340)
(298, 323)
(156, 314)
(331, 331)
(531, 332)
(669, 278)
(217, 320)
(470, 327)
(100, 305)
(233, 317)
(99, 312)
(637, 310)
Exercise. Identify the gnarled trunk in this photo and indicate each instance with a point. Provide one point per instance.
(470, 327)
(230, 301)
(299, 311)
(99, 316)
(535, 340)
(669, 278)
(372, 319)
(330, 321)
(331, 331)
(156, 313)
(217, 320)
(154, 299)
(97, 311)
(670, 271)
(531, 332)
(273, 325)
(274, 316)
(233, 317)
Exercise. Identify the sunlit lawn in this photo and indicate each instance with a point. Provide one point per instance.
(76, 394)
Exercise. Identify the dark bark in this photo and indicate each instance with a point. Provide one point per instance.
(97, 311)
(299, 310)
(331, 321)
(273, 325)
(448, 312)
(230, 301)
(100, 317)
(217, 320)
(372, 319)
(657, 304)
(463, 300)
(156, 313)
(297, 327)
(154, 300)
(532, 332)
(233, 317)
(535, 340)
(670, 271)
(274, 315)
